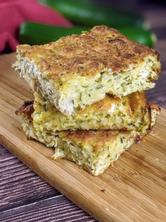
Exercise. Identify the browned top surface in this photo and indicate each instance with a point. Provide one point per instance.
(96, 139)
(131, 104)
(87, 54)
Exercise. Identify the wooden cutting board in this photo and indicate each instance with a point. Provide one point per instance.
(134, 189)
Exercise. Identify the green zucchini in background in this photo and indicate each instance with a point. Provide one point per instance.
(140, 35)
(34, 33)
(87, 13)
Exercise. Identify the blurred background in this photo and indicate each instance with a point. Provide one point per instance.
(42, 21)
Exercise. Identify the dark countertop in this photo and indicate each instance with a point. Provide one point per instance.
(26, 197)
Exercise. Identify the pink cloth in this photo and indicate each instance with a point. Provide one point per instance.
(14, 12)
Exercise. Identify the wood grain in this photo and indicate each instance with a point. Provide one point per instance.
(132, 189)
(52, 209)
(18, 179)
(26, 196)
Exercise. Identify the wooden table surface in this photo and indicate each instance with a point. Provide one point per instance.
(26, 197)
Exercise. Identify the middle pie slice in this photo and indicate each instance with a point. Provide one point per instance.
(126, 113)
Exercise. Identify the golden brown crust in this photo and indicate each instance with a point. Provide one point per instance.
(133, 103)
(137, 100)
(26, 109)
(96, 139)
(101, 106)
(87, 54)
(154, 107)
